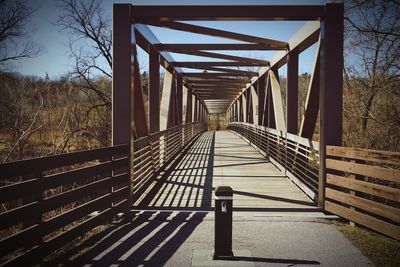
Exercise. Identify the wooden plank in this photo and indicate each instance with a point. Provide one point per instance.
(379, 156)
(18, 240)
(74, 214)
(70, 177)
(365, 220)
(23, 167)
(366, 170)
(17, 190)
(17, 215)
(365, 204)
(80, 229)
(362, 186)
(78, 193)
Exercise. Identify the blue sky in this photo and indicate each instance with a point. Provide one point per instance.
(54, 57)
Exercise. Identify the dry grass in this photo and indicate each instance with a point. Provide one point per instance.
(381, 250)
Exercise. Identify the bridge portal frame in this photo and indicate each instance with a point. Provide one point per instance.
(325, 27)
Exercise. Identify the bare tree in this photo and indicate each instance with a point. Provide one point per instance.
(20, 107)
(14, 43)
(372, 43)
(90, 42)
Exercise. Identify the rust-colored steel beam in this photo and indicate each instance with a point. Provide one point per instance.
(331, 88)
(189, 64)
(179, 99)
(261, 98)
(216, 80)
(180, 47)
(154, 90)
(232, 71)
(212, 74)
(292, 94)
(146, 13)
(216, 87)
(217, 33)
(309, 119)
(222, 56)
(122, 105)
(189, 102)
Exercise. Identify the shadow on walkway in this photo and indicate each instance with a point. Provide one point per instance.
(150, 239)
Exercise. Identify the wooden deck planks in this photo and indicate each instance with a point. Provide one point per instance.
(223, 158)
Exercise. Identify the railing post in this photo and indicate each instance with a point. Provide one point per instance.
(331, 88)
(38, 240)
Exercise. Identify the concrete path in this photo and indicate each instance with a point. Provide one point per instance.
(162, 238)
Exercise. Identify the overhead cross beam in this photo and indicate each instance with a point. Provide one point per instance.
(218, 33)
(188, 64)
(222, 56)
(211, 46)
(212, 74)
(149, 13)
(231, 71)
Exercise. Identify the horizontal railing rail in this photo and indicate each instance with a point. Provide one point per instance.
(296, 156)
(154, 150)
(363, 186)
(47, 202)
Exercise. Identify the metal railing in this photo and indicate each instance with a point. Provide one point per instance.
(296, 156)
(49, 201)
(154, 150)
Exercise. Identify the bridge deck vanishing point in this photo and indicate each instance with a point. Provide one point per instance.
(223, 158)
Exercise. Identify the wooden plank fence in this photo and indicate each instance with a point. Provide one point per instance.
(363, 186)
(49, 201)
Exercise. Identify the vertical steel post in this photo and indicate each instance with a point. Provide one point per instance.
(292, 93)
(261, 99)
(189, 102)
(122, 96)
(154, 90)
(331, 88)
(179, 98)
(195, 118)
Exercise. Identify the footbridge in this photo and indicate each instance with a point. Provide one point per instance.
(164, 157)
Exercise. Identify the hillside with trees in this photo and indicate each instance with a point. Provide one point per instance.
(39, 116)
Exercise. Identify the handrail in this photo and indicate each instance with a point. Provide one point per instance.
(155, 150)
(296, 156)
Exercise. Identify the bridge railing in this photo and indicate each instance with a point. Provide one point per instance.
(363, 186)
(154, 150)
(296, 156)
(49, 201)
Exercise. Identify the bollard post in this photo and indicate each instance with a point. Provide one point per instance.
(223, 222)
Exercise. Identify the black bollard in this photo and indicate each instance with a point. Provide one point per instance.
(223, 222)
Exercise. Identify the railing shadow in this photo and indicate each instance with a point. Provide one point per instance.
(150, 239)
(186, 182)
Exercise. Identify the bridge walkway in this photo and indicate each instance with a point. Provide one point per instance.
(223, 158)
